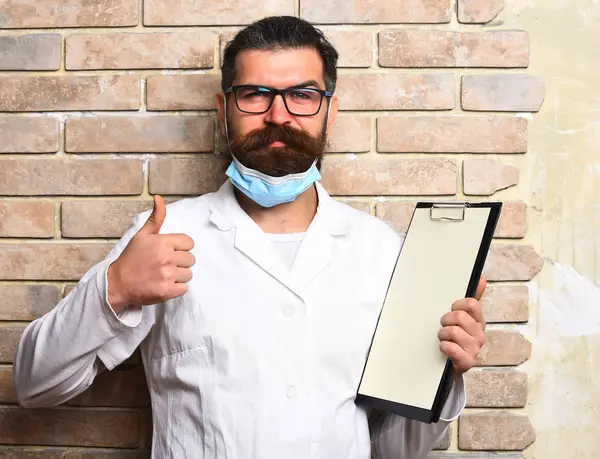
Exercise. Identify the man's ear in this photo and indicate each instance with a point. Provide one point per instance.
(220, 99)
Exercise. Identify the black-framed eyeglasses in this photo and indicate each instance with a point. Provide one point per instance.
(299, 101)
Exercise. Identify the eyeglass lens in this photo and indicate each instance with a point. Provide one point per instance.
(301, 101)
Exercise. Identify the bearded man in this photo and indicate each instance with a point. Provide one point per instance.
(253, 306)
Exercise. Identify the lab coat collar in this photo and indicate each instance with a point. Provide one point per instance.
(226, 213)
(315, 251)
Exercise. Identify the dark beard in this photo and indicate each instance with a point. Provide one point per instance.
(300, 151)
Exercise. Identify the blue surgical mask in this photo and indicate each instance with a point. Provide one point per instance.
(270, 191)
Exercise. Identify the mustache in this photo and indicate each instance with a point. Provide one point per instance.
(298, 153)
(293, 138)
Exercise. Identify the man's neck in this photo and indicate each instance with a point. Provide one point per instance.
(290, 217)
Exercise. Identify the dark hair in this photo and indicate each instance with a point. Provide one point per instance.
(276, 33)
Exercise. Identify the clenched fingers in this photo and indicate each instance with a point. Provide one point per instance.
(184, 259)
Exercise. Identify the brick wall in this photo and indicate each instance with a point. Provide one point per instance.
(104, 103)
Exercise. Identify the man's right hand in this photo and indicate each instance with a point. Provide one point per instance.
(153, 267)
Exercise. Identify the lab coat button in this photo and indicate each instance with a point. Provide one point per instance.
(288, 311)
(291, 392)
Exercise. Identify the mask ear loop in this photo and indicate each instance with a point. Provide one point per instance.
(327, 118)
(226, 127)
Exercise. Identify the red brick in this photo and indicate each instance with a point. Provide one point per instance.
(70, 177)
(49, 261)
(63, 427)
(184, 176)
(469, 455)
(189, 49)
(225, 37)
(100, 219)
(154, 134)
(513, 220)
(182, 92)
(496, 389)
(106, 454)
(435, 48)
(483, 176)
(9, 338)
(207, 12)
(23, 452)
(68, 288)
(7, 390)
(119, 388)
(350, 133)
(54, 93)
(501, 431)
(30, 52)
(505, 303)
(478, 11)
(68, 13)
(503, 347)
(27, 219)
(451, 134)
(146, 428)
(33, 452)
(410, 92)
(508, 93)
(512, 262)
(396, 213)
(26, 302)
(376, 11)
(389, 176)
(355, 47)
(28, 135)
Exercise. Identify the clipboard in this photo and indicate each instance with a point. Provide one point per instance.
(440, 262)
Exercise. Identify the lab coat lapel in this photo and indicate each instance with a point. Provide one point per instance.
(317, 249)
(248, 237)
(315, 252)
(252, 242)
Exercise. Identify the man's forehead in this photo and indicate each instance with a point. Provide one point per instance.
(279, 68)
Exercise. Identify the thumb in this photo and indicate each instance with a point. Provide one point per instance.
(157, 217)
(481, 288)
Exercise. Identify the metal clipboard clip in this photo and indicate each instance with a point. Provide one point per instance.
(453, 212)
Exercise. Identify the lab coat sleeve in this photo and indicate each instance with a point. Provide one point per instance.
(60, 353)
(396, 437)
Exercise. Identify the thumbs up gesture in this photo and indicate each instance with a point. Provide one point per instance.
(153, 267)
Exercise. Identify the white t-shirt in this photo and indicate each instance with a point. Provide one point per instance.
(286, 245)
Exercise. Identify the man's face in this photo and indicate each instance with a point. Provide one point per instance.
(278, 142)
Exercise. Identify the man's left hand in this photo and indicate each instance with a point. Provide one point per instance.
(462, 333)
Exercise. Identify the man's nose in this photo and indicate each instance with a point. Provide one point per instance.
(278, 114)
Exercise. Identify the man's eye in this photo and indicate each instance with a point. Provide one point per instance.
(302, 95)
(255, 93)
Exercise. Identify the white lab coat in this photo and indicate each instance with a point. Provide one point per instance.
(255, 361)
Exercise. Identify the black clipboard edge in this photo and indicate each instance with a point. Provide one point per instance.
(486, 241)
(407, 411)
(414, 412)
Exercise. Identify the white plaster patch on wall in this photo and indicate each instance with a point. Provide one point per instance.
(528, 116)
(569, 131)
(593, 168)
(573, 306)
(565, 334)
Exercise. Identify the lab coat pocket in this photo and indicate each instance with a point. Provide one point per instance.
(178, 327)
